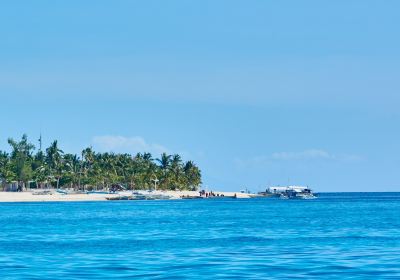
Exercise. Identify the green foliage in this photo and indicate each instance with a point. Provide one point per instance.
(94, 170)
(21, 158)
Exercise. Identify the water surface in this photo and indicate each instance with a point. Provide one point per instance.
(338, 235)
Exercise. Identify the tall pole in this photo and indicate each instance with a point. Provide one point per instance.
(40, 142)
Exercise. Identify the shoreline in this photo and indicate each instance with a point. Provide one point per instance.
(58, 197)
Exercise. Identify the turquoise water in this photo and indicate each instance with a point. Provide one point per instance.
(353, 236)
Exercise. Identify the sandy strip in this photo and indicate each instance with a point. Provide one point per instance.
(29, 197)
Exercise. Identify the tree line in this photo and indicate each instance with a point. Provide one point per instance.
(52, 168)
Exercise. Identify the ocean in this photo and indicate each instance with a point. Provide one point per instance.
(337, 236)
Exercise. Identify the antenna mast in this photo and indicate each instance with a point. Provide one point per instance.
(40, 142)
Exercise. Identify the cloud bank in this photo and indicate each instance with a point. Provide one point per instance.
(121, 144)
(313, 154)
(307, 155)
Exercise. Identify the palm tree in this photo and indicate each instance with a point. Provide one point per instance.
(192, 174)
(175, 174)
(6, 173)
(72, 165)
(21, 147)
(164, 164)
(54, 161)
(109, 167)
(21, 159)
(88, 157)
(164, 161)
(176, 160)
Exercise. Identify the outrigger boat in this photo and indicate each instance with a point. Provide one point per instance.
(140, 195)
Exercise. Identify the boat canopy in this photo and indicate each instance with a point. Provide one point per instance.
(298, 189)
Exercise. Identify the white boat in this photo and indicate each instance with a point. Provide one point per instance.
(291, 192)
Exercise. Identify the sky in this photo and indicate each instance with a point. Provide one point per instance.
(257, 93)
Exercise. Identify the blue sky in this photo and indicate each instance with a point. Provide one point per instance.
(255, 92)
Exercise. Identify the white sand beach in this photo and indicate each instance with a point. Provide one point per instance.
(31, 197)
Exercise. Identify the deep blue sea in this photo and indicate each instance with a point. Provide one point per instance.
(337, 236)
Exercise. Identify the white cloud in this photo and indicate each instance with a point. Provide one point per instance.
(307, 155)
(121, 144)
